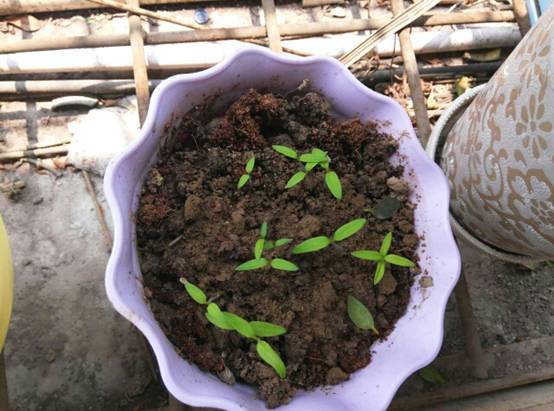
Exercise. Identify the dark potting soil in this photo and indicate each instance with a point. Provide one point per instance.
(193, 222)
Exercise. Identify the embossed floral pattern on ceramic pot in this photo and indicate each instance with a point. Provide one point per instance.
(499, 156)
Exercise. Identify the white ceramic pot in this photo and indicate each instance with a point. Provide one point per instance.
(499, 154)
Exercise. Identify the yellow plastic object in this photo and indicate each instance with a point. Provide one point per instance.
(6, 283)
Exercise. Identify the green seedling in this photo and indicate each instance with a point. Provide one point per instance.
(360, 315)
(316, 157)
(255, 330)
(432, 375)
(259, 261)
(246, 177)
(382, 257)
(318, 243)
(263, 244)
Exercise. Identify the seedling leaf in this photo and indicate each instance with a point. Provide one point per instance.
(295, 179)
(259, 248)
(286, 151)
(349, 229)
(239, 324)
(368, 255)
(284, 265)
(320, 152)
(195, 293)
(269, 245)
(360, 315)
(310, 166)
(431, 375)
(243, 180)
(379, 272)
(311, 244)
(216, 317)
(250, 165)
(263, 230)
(386, 208)
(252, 264)
(271, 357)
(264, 329)
(385, 245)
(282, 241)
(313, 157)
(399, 260)
(333, 183)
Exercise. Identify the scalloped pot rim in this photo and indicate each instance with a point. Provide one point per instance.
(417, 337)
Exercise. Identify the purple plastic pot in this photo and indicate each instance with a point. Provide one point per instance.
(417, 337)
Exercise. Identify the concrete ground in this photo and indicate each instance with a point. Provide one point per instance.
(67, 349)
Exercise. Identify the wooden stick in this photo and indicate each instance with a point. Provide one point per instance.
(39, 152)
(397, 23)
(9, 7)
(46, 88)
(471, 328)
(522, 16)
(315, 3)
(460, 364)
(290, 29)
(136, 35)
(270, 18)
(471, 389)
(38, 145)
(414, 81)
(134, 8)
(444, 72)
(99, 210)
(38, 163)
(32, 88)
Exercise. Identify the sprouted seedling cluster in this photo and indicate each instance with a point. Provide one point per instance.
(315, 158)
(248, 170)
(255, 330)
(259, 261)
(382, 257)
(265, 256)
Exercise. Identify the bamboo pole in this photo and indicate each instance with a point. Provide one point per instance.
(37, 145)
(460, 364)
(291, 29)
(67, 87)
(272, 28)
(110, 61)
(33, 89)
(9, 7)
(397, 23)
(445, 72)
(522, 16)
(136, 36)
(315, 3)
(414, 81)
(471, 328)
(458, 391)
(39, 152)
(133, 7)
